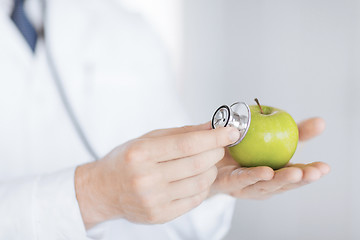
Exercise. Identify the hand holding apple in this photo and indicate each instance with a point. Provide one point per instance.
(263, 182)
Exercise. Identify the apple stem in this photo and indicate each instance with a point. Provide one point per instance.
(257, 101)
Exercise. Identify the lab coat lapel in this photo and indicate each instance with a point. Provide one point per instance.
(66, 38)
(12, 44)
(15, 70)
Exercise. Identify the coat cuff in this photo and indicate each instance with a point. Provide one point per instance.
(55, 207)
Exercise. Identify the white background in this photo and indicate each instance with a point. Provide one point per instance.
(302, 56)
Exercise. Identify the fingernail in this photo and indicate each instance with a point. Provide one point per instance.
(234, 135)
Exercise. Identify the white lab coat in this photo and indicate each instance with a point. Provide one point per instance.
(118, 80)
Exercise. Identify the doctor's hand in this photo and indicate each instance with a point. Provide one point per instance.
(152, 179)
(263, 182)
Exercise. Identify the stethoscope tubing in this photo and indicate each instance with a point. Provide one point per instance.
(62, 93)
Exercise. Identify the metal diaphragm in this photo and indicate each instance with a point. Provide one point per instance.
(238, 115)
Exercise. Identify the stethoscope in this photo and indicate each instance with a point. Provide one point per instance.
(62, 93)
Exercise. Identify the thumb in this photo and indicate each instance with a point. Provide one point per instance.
(311, 128)
(178, 130)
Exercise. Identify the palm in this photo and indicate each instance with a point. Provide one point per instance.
(263, 182)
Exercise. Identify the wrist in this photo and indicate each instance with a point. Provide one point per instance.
(90, 194)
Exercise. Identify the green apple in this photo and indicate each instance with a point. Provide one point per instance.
(270, 141)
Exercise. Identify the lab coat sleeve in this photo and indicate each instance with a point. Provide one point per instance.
(213, 218)
(209, 221)
(41, 207)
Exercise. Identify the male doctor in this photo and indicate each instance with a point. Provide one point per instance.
(76, 162)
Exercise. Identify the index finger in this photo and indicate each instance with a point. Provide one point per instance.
(178, 130)
(166, 148)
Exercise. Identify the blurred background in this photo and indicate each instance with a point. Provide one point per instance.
(302, 56)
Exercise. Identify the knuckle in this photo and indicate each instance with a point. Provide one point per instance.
(220, 152)
(135, 152)
(197, 200)
(205, 182)
(220, 138)
(214, 173)
(218, 141)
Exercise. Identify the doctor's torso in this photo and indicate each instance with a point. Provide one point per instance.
(117, 79)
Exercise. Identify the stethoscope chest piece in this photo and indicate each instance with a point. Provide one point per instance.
(238, 115)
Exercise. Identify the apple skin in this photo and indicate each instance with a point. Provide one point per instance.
(270, 141)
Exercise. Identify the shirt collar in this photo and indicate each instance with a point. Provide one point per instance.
(32, 8)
